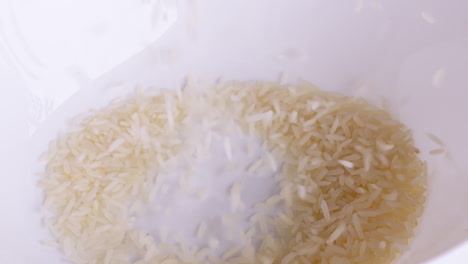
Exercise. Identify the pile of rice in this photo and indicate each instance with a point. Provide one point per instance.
(352, 185)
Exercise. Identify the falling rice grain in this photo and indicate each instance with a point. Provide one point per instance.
(437, 151)
(428, 17)
(201, 230)
(435, 139)
(438, 78)
(227, 148)
(358, 6)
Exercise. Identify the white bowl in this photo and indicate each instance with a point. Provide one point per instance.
(414, 53)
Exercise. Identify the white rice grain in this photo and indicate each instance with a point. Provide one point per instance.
(259, 117)
(201, 230)
(436, 139)
(235, 196)
(325, 212)
(381, 145)
(437, 151)
(359, 4)
(438, 78)
(347, 164)
(230, 253)
(272, 162)
(362, 248)
(357, 225)
(288, 258)
(337, 233)
(213, 243)
(228, 148)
